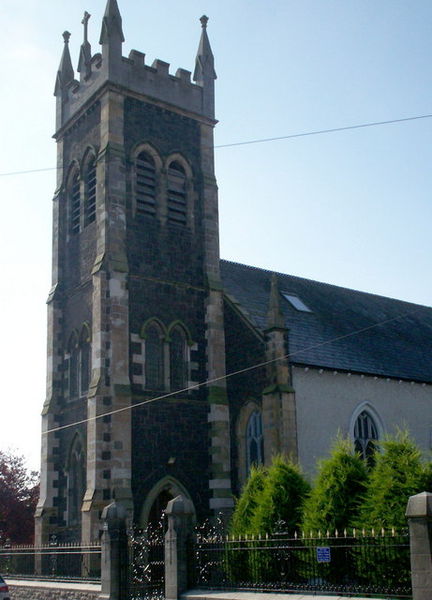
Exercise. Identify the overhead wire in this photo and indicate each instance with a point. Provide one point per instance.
(270, 139)
(228, 375)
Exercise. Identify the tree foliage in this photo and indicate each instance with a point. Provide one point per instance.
(18, 496)
(338, 491)
(398, 473)
(246, 505)
(271, 499)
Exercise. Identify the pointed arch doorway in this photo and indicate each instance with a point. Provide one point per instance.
(156, 501)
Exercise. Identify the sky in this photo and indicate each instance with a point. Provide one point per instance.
(352, 208)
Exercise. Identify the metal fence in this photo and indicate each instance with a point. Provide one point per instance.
(373, 565)
(55, 562)
(147, 564)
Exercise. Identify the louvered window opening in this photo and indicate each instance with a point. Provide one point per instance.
(177, 200)
(90, 193)
(75, 205)
(145, 185)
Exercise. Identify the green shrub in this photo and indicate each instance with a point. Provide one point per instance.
(338, 490)
(280, 504)
(398, 473)
(247, 503)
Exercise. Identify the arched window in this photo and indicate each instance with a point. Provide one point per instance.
(74, 203)
(178, 359)
(145, 185)
(254, 441)
(177, 194)
(74, 361)
(365, 436)
(76, 481)
(154, 358)
(85, 359)
(90, 192)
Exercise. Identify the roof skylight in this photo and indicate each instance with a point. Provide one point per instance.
(296, 302)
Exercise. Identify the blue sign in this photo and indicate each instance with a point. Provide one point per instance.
(323, 554)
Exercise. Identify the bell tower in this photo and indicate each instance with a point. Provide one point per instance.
(135, 319)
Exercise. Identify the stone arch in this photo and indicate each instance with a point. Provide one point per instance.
(168, 487)
(158, 323)
(186, 331)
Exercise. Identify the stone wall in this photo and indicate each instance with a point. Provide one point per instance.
(50, 590)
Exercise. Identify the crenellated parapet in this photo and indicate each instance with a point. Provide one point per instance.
(154, 82)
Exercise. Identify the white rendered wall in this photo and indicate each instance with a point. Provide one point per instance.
(327, 400)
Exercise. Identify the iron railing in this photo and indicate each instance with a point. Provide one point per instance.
(367, 564)
(55, 562)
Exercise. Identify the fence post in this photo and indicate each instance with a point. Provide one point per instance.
(180, 513)
(114, 560)
(419, 514)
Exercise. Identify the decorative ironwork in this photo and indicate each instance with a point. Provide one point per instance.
(147, 563)
(346, 565)
(55, 561)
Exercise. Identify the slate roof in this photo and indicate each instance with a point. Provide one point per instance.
(397, 344)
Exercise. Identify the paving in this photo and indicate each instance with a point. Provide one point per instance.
(250, 595)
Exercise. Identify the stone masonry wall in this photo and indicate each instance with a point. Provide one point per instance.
(53, 591)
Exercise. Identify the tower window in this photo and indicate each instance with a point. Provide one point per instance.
(254, 441)
(178, 359)
(365, 436)
(79, 362)
(76, 482)
(145, 185)
(75, 203)
(177, 194)
(90, 192)
(154, 358)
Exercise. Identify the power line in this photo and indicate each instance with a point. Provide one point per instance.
(272, 139)
(321, 131)
(226, 376)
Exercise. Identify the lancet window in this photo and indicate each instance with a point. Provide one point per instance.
(254, 441)
(154, 358)
(145, 185)
(76, 481)
(74, 202)
(79, 351)
(365, 436)
(90, 192)
(178, 359)
(177, 194)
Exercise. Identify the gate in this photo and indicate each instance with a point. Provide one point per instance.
(147, 564)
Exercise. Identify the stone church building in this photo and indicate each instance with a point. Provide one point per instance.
(170, 370)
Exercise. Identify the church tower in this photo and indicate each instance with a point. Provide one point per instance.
(135, 318)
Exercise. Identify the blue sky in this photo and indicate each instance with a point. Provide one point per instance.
(351, 208)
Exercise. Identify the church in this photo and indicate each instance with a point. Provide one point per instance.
(170, 370)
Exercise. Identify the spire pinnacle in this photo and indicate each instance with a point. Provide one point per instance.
(65, 73)
(84, 65)
(275, 318)
(204, 64)
(111, 24)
